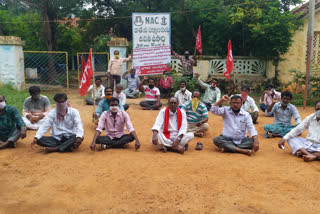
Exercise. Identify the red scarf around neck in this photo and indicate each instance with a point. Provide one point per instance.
(166, 122)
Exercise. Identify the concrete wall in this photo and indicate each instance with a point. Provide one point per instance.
(11, 61)
(295, 59)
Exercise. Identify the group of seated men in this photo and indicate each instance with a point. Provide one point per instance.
(176, 125)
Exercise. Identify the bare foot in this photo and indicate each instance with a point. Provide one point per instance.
(308, 158)
(270, 135)
(4, 144)
(299, 154)
(165, 150)
(12, 144)
(198, 134)
(145, 108)
(180, 151)
(49, 150)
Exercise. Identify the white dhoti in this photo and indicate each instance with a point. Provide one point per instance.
(33, 126)
(163, 141)
(297, 143)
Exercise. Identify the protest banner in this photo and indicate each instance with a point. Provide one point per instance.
(151, 42)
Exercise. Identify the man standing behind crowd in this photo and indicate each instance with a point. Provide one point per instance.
(212, 93)
(165, 85)
(115, 68)
(197, 115)
(236, 123)
(35, 108)
(133, 83)
(98, 92)
(186, 63)
(152, 95)
(183, 95)
(12, 126)
(268, 96)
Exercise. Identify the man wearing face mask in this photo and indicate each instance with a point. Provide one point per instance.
(66, 128)
(12, 126)
(236, 124)
(283, 112)
(152, 95)
(186, 63)
(268, 96)
(114, 122)
(121, 96)
(197, 115)
(183, 95)
(133, 82)
(170, 128)
(248, 104)
(212, 93)
(35, 108)
(115, 68)
(104, 104)
(308, 148)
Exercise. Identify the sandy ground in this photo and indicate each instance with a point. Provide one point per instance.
(149, 181)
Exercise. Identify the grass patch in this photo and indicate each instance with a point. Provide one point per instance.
(16, 98)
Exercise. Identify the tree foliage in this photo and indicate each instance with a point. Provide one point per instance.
(256, 27)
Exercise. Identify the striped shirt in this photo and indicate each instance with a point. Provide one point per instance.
(195, 117)
(151, 94)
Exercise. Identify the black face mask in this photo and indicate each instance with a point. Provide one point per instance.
(151, 86)
(187, 57)
(236, 111)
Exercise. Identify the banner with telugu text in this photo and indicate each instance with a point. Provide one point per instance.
(151, 35)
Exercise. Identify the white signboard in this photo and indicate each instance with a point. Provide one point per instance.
(151, 42)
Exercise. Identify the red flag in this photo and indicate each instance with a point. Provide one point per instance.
(198, 42)
(86, 77)
(83, 64)
(229, 62)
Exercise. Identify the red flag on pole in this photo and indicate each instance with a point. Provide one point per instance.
(83, 64)
(198, 42)
(86, 77)
(229, 62)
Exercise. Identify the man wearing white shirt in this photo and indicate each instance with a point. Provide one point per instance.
(308, 148)
(121, 96)
(67, 129)
(183, 95)
(115, 68)
(170, 128)
(98, 92)
(248, 104)
(236, 124)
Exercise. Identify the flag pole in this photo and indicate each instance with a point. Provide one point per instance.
(94, 88)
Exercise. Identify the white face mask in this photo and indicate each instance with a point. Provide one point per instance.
(183, 89)
(114, 108)
(2, 105)
(317, 114)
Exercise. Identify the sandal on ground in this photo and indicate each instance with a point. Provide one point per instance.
(199, 146)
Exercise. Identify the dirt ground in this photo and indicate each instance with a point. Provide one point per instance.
(149, 181)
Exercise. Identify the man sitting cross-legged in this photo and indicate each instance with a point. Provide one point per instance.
(308, 148)
(170, 128)
(35, 108)
(283, 112)
(12, 126)
(197, 115)
(67, 129)
(152, 95)
(114, 121)
(104, 104)
(236, 123)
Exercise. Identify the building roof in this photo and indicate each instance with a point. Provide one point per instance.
(304, 9)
